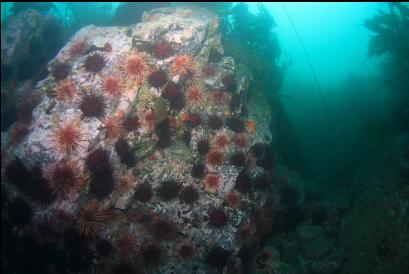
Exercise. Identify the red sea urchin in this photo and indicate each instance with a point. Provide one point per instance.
(65, 90)
(240, 141)
(212, 183)
(112, 85)
(233, 199)
(162, 50)
(220, 97)
(135, 67)
(113, 127)
(182, 65)
(92, 218)
(215, 158)
(194, 95)
(221, 141)
(68, 136)
(125, 183)
(78, 48)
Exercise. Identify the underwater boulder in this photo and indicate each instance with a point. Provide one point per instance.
(98, 97)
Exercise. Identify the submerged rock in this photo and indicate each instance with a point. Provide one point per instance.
(99, 97)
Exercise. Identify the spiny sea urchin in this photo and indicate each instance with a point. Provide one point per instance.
(229, 82)
(78, 48)
(194, 95)
(203, 146)
(243, 182)
(171, 90)
(113, 127)
(92, 105)
(152, 255)
(125, 153)
(236, 124)
(94, 63)
(218, 258)
(125, 245)
(217, 218)
(240, 141)
(64, 180)
(112, 85)
(162, 50)
(186, 251)
(143, 193)
(238, 159)
(214, 122)
(92, 218)
(198, 171)
(189, 195)
(131, 123)
(221, 141)
(212, 183)
(61, 71)
(163, 229)
(182, 65)
(158, 78)
(169, 190)
(68, 136)
(135, 67)
(20, 212)
(220, 97)
(98, 160)
(65, 90)
(215, 158)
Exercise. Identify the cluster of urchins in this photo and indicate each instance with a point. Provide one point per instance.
(63, 180)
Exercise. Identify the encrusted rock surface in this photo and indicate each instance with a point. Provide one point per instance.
(191, 32)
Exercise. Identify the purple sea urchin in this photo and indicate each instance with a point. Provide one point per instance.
(143, 193)
(94, 63)
(169, 190)
(92, 105)
(158, 79)
(189, 195)
(217, 218)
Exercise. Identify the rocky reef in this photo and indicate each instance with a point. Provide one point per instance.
(140, 156)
